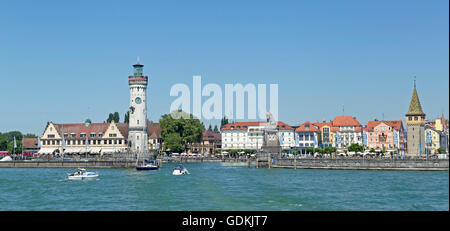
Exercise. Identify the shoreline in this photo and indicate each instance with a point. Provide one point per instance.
(330, 164)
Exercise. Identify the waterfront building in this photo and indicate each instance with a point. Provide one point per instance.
(306, 136)
(287, 136)
(155, 141)
(326, 134)
(84, 138)
(415, 122)
(250, 135)
(138, 109)
(385, 135)
(210, 142)
(347, 131)
(436, 137)
(30, 145)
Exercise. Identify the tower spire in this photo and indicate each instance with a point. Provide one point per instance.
(415, 108)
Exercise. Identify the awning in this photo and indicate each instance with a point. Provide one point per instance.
(46, 150)
(95, 150)
(109, 150)
(71, 150)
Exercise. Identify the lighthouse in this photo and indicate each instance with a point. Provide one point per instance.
(137, 127)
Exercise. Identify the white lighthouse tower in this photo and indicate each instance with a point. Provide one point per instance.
(137, 130)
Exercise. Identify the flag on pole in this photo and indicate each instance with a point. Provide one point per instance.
(15, 144)
(63, 143)
(87, 142)
(39, 142)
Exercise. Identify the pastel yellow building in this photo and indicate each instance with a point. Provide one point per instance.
(84, 138)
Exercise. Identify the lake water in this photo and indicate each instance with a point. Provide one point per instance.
(213, 186)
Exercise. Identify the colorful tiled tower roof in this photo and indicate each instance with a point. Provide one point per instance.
(414, 107)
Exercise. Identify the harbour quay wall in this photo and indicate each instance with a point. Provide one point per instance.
(68, 164)
(362, 164)
(106, 163)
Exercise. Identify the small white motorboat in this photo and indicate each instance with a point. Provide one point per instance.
(82, 174)
(179, 170)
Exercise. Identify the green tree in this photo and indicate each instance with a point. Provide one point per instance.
(110, 118)
(210, 128)
(441, 150)
(3, 143)
(355, 148)
(233, 152)
(216, 129)
(113, 117)
(224, 122)
(180, 132)
(174, 142)
(127, 117)
(30, 135)
(310, 150)
(116, 117)
(7, 141)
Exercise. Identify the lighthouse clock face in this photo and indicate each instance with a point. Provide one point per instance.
(138, 100)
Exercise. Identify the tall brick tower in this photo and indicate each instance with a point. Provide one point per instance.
(415, 122)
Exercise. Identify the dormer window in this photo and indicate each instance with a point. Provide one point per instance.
(72, 135)
(82, 135)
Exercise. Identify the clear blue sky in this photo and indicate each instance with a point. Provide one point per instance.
(66, 61)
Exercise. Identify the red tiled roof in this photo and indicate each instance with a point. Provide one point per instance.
(345, 121)
(30, 143)
(79, 128)
(320, 125)
(123, 128)
(286, 127)
(209, 135)
(245, 125)
(335, 129)
(395, 124)
(312, 128)
(153, 130)
(371, 125)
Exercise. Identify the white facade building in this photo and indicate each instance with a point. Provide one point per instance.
(348, 131)
(250, 135)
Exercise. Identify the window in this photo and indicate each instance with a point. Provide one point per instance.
(82, 135)
(100, 134)
(416, 118)
(72, 135)
(51, 136)
(137, 121)
(410, 118)
(65, 135)
(92, 135)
